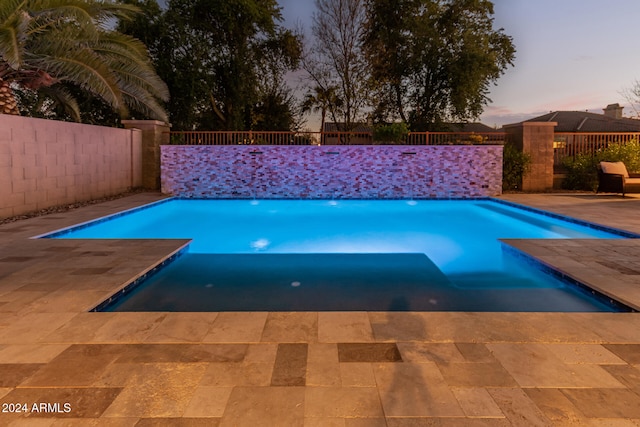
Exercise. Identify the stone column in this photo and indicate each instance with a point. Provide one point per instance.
(535, 139)
(154, 134)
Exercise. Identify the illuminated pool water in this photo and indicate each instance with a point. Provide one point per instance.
(347, 255)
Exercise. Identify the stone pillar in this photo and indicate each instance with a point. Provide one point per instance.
(154, 134)
(535, 139)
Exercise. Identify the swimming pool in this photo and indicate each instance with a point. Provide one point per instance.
(294, 255)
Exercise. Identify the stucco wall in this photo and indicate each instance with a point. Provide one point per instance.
(45, 163)
(332, 171)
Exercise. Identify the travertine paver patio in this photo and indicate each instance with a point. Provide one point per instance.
(313, 369)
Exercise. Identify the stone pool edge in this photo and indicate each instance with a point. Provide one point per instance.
(598, 292)
(147, 273)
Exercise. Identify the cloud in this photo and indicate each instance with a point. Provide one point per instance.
(498, 110)
(498, 115)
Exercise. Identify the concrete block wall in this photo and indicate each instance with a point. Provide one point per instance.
(45, 163)
(326, 172)
(535, 139)
(154, 133)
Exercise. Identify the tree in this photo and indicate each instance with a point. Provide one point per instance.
(224, 60)
(386, 49)
(276, 107)
(321, 100)
(336, 62)
(47, 45)
(434, 60)
(632, 95)
(275, 110)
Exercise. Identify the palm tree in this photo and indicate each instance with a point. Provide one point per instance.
(45, 43)
(321, 100)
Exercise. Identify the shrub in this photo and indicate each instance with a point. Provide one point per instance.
(393, 133)
(582, 170)
(176, 139)
(515, 165)
(628, 153)
(477, 139)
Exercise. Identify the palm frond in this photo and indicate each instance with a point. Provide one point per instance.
(105, 12)
(127, 57)
(62, 97)
(123, 44)
(51, 14)
(147, 105)
(84, 68)
(13, 37)
(130, 80)
(8, 8)
(94, 12)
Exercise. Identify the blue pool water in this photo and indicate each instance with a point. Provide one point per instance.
(346, 255)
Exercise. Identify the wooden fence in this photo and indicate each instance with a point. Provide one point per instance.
(569, 144)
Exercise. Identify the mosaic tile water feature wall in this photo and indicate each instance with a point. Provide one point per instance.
(325, 172)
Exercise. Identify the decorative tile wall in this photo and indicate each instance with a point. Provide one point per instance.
(325, 172)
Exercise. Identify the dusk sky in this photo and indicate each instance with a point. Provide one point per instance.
(571, 55)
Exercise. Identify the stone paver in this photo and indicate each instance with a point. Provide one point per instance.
(346, 369)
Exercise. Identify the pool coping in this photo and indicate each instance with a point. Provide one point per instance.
(141, 278)
(588, 224)
(598, 292)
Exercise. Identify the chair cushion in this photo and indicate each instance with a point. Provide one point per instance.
(617, 168)
(633, 181)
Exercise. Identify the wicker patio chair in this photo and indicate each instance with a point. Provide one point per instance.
(614, 178)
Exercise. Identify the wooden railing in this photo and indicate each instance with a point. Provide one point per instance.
(459, 138)
(327, 138)
(241, 138)
(570, 144)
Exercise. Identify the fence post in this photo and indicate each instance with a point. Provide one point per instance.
(154, 134)
(535, 139)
